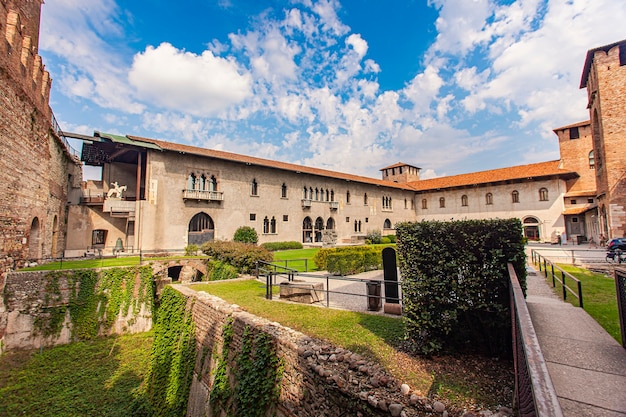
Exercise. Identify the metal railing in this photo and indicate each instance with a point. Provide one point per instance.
(534, 395)
(273, 274)
(549, 270)
(620, 289)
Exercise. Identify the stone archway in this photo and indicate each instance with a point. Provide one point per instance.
(531, 228)
(307, 230)
(33, 240)
(319, 227)
(201, 229)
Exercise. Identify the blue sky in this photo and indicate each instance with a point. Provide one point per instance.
(450, 86)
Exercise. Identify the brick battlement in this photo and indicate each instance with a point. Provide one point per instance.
(20, 60)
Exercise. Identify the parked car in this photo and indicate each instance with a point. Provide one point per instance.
(617, 243)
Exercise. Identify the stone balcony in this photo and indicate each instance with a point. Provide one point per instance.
(202, 195)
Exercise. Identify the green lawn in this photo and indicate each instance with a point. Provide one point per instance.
(101, 262)
(295, 259)
(97, 378)
(599, 297)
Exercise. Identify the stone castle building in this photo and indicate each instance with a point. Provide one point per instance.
(37, 170)
(171, 195)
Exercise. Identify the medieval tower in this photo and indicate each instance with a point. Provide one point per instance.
(37, 170)
(604, 76)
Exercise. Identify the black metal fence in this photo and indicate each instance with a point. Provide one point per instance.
(534, 392)
(274, 274)
(620, 289)
(557, 274)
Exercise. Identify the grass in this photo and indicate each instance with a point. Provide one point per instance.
(294, 258)
(378, 338)
(97, 378)
(599, 297)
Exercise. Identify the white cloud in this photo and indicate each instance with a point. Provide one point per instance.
(200, 85)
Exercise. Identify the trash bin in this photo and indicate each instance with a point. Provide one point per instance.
(374, 300)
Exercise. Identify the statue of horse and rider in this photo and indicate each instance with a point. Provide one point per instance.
(116, 190)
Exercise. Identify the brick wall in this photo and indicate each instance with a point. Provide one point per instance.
(34, 164)
(318, 380)
(606, 88)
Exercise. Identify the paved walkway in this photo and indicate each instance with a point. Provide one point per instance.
(586, 365)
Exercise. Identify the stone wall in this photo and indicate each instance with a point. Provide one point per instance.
(28, 300)
(318, 380)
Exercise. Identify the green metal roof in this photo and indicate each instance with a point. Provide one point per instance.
(127, 141)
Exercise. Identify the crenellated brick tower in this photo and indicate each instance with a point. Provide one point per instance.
(604, 76)
(37, 170)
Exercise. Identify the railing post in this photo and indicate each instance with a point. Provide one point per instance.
(553, 277)
(256, 269)
(327, 292)
(564, 286)
(545, 267)
(268, 286)
(580, 294)
(306, 265)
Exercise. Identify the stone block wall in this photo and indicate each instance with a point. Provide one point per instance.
(319, 379)
(27, 300)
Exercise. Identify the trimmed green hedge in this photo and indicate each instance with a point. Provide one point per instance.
(349, 259)
(455, 283)
(274, 246)
(242, 256)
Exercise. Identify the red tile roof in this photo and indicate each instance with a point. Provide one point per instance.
(579, 124)
(541, 170)
(250, 160)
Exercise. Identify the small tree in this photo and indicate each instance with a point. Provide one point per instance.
(246, 234)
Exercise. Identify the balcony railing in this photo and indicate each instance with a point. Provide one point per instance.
(334, 205)
(306, 202)
(202, 195)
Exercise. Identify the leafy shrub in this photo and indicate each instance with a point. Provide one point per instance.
(275, 246)
(392, 238)
(349, 259)
(242, 256)
(218, 271)
(385, 240)
(456, 283)
(191, 249)
(246, 234)
(373, 237)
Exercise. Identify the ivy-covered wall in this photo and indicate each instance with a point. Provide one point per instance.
(250, 367)
(46, 308)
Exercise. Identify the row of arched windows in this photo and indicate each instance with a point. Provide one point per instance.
(318, 194)
(543, 196)
(201, 182)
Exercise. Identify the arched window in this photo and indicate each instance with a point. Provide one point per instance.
(356, 224)
(317, 194)
(515, 196)
(387, 224)
(489, 199)
(543, 194)
(592, 162)
(424, 204)
(442, 202)
(365, 199)
(203, 181)
(332, 195)
(283, 190)
(348, 197)
(213, 184)
(330, 223)
(191, 181)
(305, 193)
(327, 195)
(464, 200)
(201, 229)
(307, 230)
(273, 225)
(254, 187)
(266, 225)
(406, 204)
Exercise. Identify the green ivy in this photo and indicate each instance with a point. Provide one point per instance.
(220, 395)
(95, 299)
(257, 373)
(173, 356)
